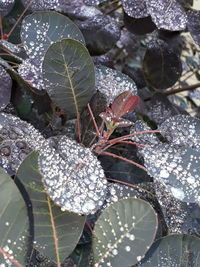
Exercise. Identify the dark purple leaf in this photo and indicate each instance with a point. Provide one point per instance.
(5, 88)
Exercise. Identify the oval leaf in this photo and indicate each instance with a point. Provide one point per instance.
(14, 224)
(69, 77)
(41, 29)
(174, 250)
(123, 233)
(56, 233)
(168, 67)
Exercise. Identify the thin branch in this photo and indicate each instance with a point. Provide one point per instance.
(114, 9)
(125, 137)
(131, 143)
(178, 90)
(20, 17)
(124, 159)
(89, 226)
(93, 120)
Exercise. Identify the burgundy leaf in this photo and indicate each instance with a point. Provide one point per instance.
(124, 103)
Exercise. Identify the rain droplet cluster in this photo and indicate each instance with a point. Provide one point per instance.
(5, 88)
(31, 73)
(73, 177)
(180, 217)
(6, 6)
(136, 9)
(17, 139)
(176, 167)
(167, 14)
(112, 83)
(182, 130)
(9, 46)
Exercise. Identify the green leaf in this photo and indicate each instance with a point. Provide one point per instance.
(174, 250)
(14, 223)
(56, 233)
(69, 75)
(123, 233)
(41, 29)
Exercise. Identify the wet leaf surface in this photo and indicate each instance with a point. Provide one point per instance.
(69, 75)
(6, 6)
(73, 177)
(167, 14)
(123, 233)
(180, 217)
(135, 9)
(101, 33)
(176, 167)
(41, 29)
(17, 139)
(5, 88)
(111, 83)
(174, 250)
(14, 223)
(193, 18)
(56, 233)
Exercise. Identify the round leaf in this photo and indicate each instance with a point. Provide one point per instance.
(14, 223)
(177, 167)
(174, 250)
(167, 14)
(56, 233)
(101, 33)
(193, 17)
(69, 77)
(182, 130)
(135, 9)
(17, 139)
(73, 177)
(112, 83)
(123, 233)
(168, 67)
(41, 29)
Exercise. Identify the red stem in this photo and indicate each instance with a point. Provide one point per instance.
(122, 138)
(131, 143)
(93, 120)
(127, 160)
(89, 226)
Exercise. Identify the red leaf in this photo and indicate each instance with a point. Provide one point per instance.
(124, 103)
